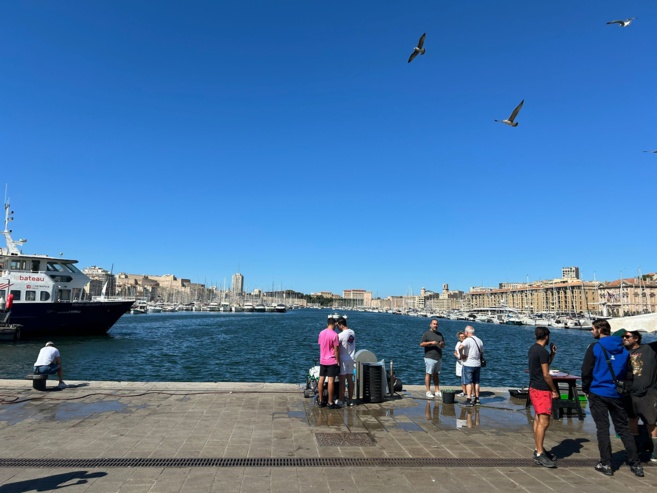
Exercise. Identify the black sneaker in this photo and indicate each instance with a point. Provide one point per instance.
(549, 455)
(321, 403)
(468, 403)
(637, 469)
(476, 401)
(606, 470)
(334, 406)
(543, 460)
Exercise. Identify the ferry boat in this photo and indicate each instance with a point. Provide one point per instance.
(48, 294)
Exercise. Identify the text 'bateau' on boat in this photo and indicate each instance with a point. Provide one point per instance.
(48, 293)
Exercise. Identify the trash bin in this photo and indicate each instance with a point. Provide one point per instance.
(373, 383)
(448, 396)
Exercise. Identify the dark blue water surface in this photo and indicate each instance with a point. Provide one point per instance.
(277, 347)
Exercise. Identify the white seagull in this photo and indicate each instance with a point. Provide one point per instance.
(418, 49)
(509, 121)
(624, 23)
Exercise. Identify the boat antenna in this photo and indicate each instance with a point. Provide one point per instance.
(12, 246)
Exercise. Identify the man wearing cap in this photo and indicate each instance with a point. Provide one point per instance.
(49, 362)
(329, 363)
(643, 392)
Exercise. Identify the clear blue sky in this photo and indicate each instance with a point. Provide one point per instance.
(292, 140)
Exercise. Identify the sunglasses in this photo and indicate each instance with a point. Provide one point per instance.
(628, 336)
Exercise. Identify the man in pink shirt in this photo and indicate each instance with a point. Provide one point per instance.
(329, 362)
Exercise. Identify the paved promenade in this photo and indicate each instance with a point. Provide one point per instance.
(254, 437)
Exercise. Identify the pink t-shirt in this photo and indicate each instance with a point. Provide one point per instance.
(328, 341)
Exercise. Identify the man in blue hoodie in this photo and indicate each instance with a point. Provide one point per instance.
(600, 389)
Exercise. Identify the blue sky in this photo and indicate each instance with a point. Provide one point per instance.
(292, 140)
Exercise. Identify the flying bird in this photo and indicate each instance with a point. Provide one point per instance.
(624, 23)
(653, 152)
(418, 49)
(510, 120)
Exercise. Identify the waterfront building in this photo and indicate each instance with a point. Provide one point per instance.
(570, 272)
(237, 284)
(544, 296)
(99, 278)
(625, 297)
(444, 301)
(357, 297)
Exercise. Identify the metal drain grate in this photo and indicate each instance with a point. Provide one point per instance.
(283, 462)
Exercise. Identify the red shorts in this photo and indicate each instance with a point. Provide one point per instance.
(541, 400)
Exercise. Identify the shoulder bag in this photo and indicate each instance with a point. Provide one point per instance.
(481, 354)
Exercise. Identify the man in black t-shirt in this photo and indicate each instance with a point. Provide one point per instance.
(643, 392)
(541, 392)
(433, 343)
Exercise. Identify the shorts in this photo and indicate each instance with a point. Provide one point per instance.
(50, 369)
(644, 407)
(459, 369)
(347, 367)
(329, 370)
(541, 400)
(433, 365)
(471, 374)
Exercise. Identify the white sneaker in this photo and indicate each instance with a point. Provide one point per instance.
(439, 394)
(62, 386)
(430, 395)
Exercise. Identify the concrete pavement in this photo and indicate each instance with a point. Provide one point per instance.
(254, 437)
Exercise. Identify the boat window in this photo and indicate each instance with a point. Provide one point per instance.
(44, 295)
(30, 295)
(3, 293)
(72, 268)
(16, 293)
(35, 265)
(64, 295)
(52, 266)
(18, 265)
(61, 278)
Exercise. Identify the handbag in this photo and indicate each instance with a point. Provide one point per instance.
(482, 360)
(621, 388)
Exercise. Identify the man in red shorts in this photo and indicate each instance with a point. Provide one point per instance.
(541, 392)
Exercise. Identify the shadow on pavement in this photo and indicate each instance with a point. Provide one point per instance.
(49, 483)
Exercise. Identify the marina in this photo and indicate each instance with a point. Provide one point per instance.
(277, 348)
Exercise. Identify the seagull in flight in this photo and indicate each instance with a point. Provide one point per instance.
(418, 49)
(652, 152)
(624, 23)
(510, 121)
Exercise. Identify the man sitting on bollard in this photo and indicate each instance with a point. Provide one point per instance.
(49, 362)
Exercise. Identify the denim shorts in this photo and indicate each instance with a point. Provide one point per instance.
(433, 365)
(50, 369)
(471, 374)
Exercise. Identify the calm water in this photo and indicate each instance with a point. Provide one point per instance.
(275, 347)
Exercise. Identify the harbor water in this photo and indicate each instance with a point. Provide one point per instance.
(278, 347)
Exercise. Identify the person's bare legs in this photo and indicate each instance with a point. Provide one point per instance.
(320, 388)
(541, 424)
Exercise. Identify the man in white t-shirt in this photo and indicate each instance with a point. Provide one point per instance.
(49, 362)
(347, 354)
(472, 349)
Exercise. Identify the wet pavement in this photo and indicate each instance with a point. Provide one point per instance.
(171, 437)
